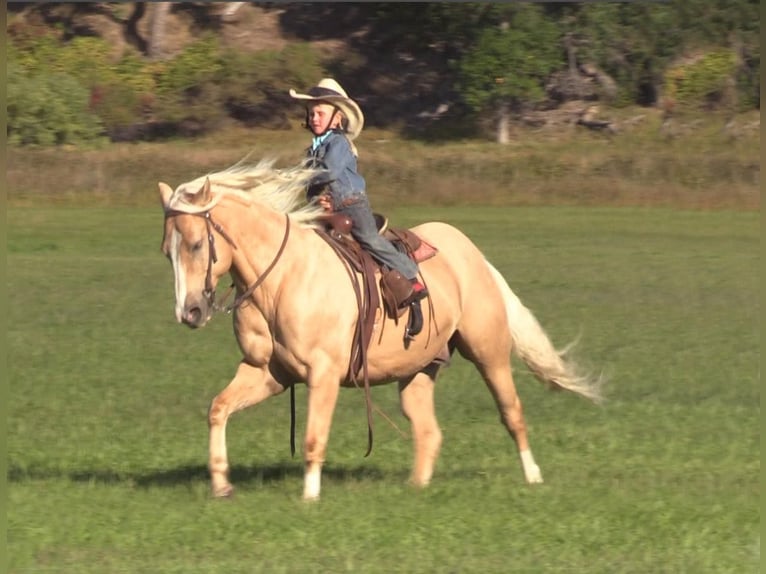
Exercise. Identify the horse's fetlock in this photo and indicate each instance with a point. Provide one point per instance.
(314, 450)
(219, 466)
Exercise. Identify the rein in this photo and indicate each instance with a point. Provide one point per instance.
(361, 338)
(249, 291)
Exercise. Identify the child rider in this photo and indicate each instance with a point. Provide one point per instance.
(336, 120)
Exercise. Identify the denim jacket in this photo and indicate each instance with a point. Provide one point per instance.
(334, 155)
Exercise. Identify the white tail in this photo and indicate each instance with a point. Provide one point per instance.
(532, 345)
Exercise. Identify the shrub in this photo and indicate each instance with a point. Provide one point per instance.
(48, 109)
(703, 83)
(257, 83)
(119, 93)
(189, 87)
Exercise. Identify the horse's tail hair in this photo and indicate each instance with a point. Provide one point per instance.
(532, 345)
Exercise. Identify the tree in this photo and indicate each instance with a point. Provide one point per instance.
(507, 69)
(160, 12)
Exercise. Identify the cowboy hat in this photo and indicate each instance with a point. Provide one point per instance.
(330, 91)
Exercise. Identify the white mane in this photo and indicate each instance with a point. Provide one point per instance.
(282, 190)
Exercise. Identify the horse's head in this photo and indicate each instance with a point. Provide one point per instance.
(198, 249)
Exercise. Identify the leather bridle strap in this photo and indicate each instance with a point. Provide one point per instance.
(249, 291)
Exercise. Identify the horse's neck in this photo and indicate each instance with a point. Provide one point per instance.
(258, 234)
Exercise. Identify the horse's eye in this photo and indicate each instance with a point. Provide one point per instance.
(197, 246)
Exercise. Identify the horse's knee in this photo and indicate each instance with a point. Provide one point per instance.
(429, 437)
(217, 413)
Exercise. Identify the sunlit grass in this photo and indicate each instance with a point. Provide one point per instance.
(108, 399)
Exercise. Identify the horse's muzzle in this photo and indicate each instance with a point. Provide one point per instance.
(196, 314)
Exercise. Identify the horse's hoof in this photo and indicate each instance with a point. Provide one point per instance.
(310, 499)
(418, 484)
(534, 477)
(223, 492)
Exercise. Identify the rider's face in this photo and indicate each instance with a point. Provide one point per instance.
(321, 116)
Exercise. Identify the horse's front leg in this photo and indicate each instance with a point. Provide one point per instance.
(249, 386)
(322, 398)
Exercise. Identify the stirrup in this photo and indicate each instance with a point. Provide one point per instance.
(414, 297)
(381, 222)
(415, 321)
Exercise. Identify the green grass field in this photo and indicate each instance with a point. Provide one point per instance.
(107, 432)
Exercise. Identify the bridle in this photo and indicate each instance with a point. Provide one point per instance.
(209, 291)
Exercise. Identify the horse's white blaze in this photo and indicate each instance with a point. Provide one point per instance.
(178, 270)
(531, 470)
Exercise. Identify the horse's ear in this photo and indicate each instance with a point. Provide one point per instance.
(165, 193)
(206, 190)
(201, 197)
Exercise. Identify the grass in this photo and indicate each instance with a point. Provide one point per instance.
(704, 167)
(107, 434)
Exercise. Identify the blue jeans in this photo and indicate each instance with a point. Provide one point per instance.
(366, 233)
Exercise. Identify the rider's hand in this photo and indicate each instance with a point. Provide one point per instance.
(325, 201)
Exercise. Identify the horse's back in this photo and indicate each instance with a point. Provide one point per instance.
(459, 261)
(450, 240)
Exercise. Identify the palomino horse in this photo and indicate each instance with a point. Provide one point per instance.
(296, 314)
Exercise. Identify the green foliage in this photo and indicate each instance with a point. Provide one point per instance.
(48, 108)
(417, 27)
(32, 50)
(191, 86)
(85, 58)
(253, 79)
(635, 42)
(511, 63)
(118, 91)
(299, 65)
(704, 82)
(631, 42)
(121, 91)
(638, 45)
(749, 84)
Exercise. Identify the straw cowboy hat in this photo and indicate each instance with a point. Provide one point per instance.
(330, 91)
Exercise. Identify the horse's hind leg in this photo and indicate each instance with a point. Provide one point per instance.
(417, 399)
(249, 386)
(500, 382)
(486, 342)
